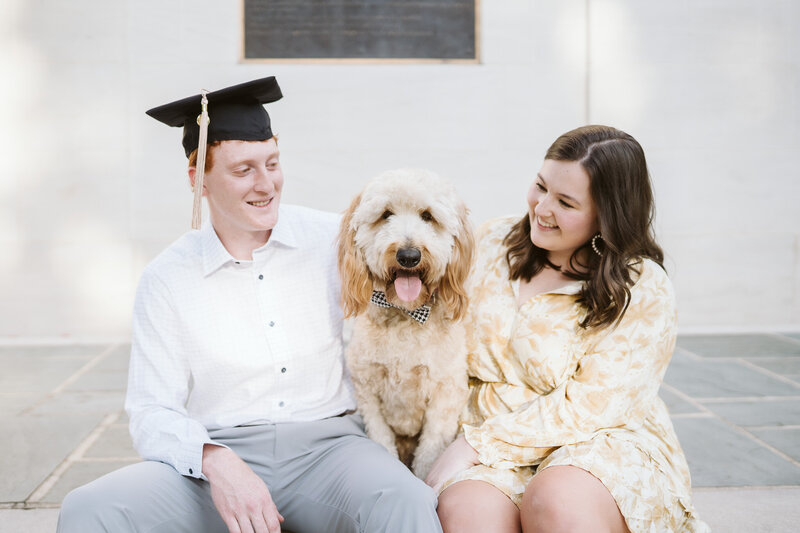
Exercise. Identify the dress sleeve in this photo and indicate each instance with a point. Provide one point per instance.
(159, 383)
(613, 386)
(482, 285)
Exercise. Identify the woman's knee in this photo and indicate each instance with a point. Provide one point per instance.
(476, 506)
(566, 498)
(449, 510)
(544, 508)
(456, 514)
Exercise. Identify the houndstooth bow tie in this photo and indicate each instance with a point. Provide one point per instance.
(420, 314)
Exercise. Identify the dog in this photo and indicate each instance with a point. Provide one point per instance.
(405, 251)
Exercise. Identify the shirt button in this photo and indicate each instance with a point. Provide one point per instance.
(271, 323)
(261, 276)
(281, 404)
(283, 370)
(190, 471)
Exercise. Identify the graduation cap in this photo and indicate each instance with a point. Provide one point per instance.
(232, 114)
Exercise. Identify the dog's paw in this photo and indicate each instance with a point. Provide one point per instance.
(421, 467)
(385, 438)
(392, 449)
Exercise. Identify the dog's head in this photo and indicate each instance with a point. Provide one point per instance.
(407, 234)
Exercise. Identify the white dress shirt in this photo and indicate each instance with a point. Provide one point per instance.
(220, 342)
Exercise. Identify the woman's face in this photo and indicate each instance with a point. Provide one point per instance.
(561, 209)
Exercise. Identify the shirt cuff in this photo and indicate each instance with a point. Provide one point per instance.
(190, 461)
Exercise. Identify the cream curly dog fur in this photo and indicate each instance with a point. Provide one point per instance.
(407, 235)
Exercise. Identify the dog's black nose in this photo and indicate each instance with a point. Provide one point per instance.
(408, 257)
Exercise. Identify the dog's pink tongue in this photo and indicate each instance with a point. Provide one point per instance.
(407, 287)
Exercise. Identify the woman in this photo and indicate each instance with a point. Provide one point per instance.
(573, 325)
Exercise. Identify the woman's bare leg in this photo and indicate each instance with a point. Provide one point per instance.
(569, 499)
(476, 506)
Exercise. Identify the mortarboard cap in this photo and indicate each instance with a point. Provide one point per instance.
(235, 113)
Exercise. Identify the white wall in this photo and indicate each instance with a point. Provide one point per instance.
(92, 189)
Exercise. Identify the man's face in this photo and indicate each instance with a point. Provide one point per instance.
(243, 187)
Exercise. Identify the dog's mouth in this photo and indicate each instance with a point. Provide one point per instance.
(407, 283)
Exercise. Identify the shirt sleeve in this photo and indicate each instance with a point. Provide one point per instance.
(613, 386)
(159, 383)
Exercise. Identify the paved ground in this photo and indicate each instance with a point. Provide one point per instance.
(735, 402)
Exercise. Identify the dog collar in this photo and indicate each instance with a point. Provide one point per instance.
(420, 314)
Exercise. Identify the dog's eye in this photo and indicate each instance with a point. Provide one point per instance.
(426, 216)
(386, 214)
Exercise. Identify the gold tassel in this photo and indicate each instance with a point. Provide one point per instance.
(200, 168)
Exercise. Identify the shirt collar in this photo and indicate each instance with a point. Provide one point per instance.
(215, 255)
(285, 231)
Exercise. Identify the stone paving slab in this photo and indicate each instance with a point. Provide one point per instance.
(116, 360)
(109, 374)
(13, 403)
(721, 456)
(101, 381)
(115, 442)
(778, 412)
(33, 447)
(676, 404)
(771, 510)
(741, 345)
(36, 374)
(779, 365)
(787, 440)
(28, 520)
(702, 378)
(81, 473)
(79, 402)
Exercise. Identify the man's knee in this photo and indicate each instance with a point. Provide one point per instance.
(410, 502)
(83, 510)
(128, 499)
(413, 494)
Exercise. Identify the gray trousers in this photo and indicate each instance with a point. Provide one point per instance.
(324, 476)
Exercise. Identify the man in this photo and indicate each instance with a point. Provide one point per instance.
(237, 396)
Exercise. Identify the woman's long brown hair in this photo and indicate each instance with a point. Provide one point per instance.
(623, 196)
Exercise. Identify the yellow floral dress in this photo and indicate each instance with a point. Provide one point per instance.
(544, 392)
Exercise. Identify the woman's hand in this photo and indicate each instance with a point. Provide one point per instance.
(459, 456)
(241, 497)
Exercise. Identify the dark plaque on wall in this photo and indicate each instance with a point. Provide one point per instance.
(360, 29)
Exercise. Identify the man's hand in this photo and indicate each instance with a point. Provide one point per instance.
(241, 497)
(455, 458)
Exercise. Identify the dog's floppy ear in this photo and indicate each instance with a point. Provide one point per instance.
(452, 289)
(356, 283)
